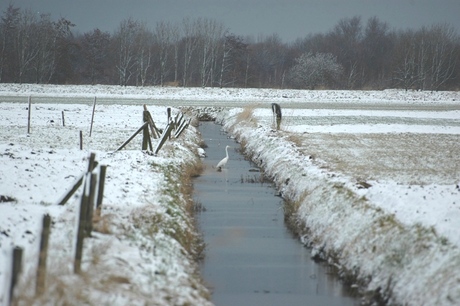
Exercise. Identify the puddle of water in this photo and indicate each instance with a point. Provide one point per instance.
(251, 258)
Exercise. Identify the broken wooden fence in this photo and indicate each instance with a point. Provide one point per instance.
(149, 130)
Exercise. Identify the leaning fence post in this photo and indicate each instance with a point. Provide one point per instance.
(100, 189)
(92, 117)
(15, 271)
(153, 128)
(166, 134)
(41, 269)
(132, 136)
(90, 207)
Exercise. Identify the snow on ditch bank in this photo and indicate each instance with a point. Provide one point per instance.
(134, 256)
(400, 238)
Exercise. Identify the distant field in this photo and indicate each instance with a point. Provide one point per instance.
(410, 147)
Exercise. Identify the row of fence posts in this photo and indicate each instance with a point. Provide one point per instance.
(149, 129)
(63, 120)
(179, 124)
(93, 184)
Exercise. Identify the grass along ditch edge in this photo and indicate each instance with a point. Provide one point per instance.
(390, 262)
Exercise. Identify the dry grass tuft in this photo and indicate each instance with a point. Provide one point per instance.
(247, 114)
(102, 224)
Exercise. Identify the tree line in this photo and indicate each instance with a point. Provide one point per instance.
(354, 54)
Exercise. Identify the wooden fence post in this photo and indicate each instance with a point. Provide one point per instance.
(81, 225)
(15, 271)
(145, 132)
(100, 189)
(92, 117)
(132, 136)
(81, 140)
(183, 126)
(28, 116)
(40, 284)
(92, 159)
(153, 129)
(72, 190)
(276, 110)
(166, 134)
(63, 120)
(90, 207)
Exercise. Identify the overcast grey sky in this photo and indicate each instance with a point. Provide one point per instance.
(290, 19)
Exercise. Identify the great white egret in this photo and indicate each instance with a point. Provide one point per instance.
(224, 160)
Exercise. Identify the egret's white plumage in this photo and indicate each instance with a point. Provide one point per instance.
(224, 160)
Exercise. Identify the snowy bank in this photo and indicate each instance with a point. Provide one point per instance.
(374, 228)
(143, 248)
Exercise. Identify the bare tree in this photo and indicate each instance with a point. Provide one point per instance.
(95, 46)
(210, 33)
(165, 35)
(125, 39)
(190, 30)
(26, 46)
(376, 49)
(346, 39)
(405, 55)
(9, 26)
(144, 41)
(443, 55)
(233, 54)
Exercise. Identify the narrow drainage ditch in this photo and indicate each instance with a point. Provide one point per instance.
(251, 258)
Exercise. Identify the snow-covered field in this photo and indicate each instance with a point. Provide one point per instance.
(133, 257)
(376, 187)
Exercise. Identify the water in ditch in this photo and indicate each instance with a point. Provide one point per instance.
(251, 258)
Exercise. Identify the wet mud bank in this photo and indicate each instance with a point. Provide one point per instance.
(251, 257)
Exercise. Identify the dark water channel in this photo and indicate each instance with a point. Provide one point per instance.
(251, 258)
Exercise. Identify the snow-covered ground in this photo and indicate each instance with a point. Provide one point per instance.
(377, 188)
(134, 257)
(376, 196)
(233, 94)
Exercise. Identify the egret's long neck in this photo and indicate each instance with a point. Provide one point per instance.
(226, 151)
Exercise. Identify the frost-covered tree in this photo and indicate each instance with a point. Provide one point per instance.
(315, 70)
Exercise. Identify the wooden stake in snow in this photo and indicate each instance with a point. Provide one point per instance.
(90, 207)
(15, 270)
(146, 135)
(92, 117)
(63, 120)
(276, 109)
(100, 189)
(81, 140)
(28, 117)
(40, 284)
(82, 224)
